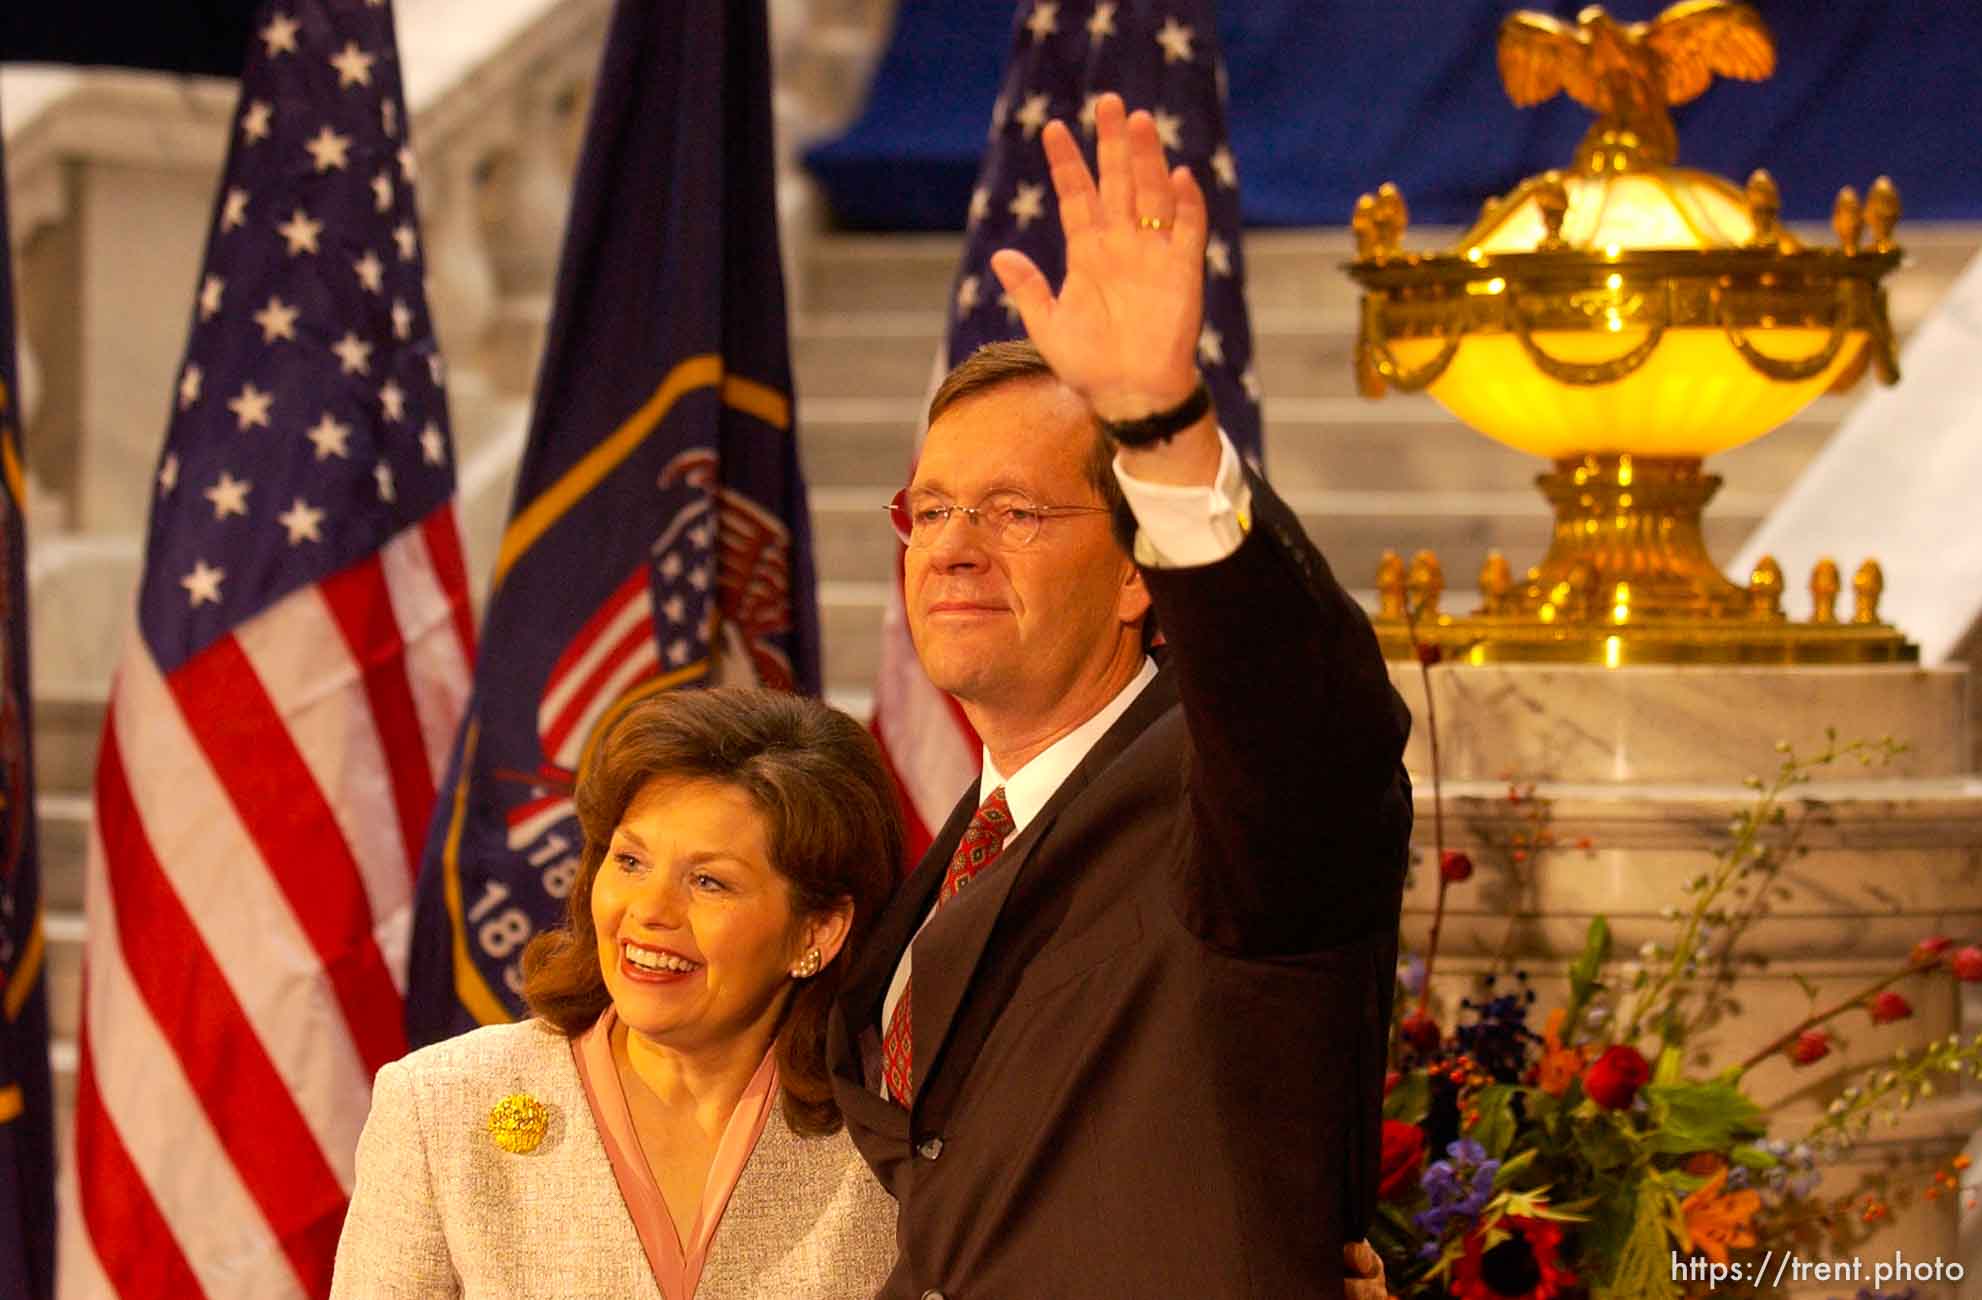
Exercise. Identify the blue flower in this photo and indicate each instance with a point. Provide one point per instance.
(1457, 1187)
(1794, 1173)
(1498, 1039)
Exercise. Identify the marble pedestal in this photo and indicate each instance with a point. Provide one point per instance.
(1641, 771)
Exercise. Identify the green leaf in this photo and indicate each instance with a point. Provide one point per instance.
(1508, 1168)
(1752, 1158)
(1583, 976)
(1601, 1240)
(1530, 1205)
(1603, 1145)
(1644, 1263)
(1701, 1117)
(1495, 1128)
(1410, 1100)
(1685, 1184)
(1392, 1233)
(1670, 1067)
(1397, 1239)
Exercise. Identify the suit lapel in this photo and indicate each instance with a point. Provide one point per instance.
(857, 1010)
(948, 950)
(867, 983)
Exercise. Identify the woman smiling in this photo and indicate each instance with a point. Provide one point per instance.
(664, 1127)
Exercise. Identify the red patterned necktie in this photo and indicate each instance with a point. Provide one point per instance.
(983, 840)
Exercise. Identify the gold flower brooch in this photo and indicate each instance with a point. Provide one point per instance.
(518, 1122)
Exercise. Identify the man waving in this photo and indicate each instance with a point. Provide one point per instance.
(1122, 1033)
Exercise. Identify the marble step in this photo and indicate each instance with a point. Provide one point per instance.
(1297, 352)
(1656, 832)
(1462, 496)
(63, 822)
(1348, 443)
(1351, 527)
(1285, 269)
(854, 556)
(1892, 814)
(68, 726)
(1302, 352)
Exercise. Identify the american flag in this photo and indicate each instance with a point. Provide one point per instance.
(300, 657)
(1161, 55)
(659, 538)
(27, 1119)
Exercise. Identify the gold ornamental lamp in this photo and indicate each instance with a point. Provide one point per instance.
(1625, 318)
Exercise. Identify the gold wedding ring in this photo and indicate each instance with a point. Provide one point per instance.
(1152, 223)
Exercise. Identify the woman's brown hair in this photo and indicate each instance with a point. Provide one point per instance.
(828, 803)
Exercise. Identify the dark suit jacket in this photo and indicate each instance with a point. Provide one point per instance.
(1149, 1041)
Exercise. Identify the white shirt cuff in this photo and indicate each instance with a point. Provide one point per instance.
(1178, 527)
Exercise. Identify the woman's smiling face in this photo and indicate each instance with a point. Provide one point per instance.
(697, 935)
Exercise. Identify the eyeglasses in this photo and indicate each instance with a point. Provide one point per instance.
(1013, 518)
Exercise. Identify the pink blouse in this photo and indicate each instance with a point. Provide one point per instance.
(677, 1265)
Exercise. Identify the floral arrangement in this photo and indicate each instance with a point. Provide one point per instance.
(1572, 1153)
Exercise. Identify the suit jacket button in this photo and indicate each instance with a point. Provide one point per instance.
(929, 1149)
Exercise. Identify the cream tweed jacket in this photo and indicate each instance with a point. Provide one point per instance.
(439, 1210)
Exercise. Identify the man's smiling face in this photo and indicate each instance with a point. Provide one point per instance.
(1019, 629)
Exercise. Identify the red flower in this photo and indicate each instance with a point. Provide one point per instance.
(1968, 963)
(1429, 655)
(1928, 951)
(1403, 1159)
(1455, 866)
(1888, 1007)
(1704, 1164)
(1616, 1076)
(1391, 1080)
(1420, 1031)
(1811, 1046)
(1523, 1267)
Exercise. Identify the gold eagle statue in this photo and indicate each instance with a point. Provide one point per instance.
(1630, 73)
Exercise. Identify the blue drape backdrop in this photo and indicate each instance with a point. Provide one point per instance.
(1329, 98)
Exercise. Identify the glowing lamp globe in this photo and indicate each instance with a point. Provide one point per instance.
(1625, 318)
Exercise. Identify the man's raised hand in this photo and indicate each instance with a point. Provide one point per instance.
(1123, 331)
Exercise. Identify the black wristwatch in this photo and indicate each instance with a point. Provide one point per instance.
(1163, 425)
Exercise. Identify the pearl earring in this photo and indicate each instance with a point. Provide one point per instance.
(808, 965)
